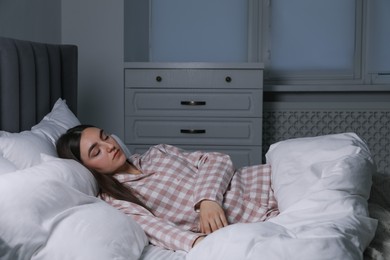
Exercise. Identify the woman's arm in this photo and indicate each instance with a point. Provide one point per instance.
(166, 234)
(160, 232)
(214, 172)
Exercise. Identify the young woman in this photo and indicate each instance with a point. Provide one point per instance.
(178, 197)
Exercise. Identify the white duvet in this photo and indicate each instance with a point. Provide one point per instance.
(322, 185)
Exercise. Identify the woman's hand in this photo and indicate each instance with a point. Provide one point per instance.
(211, 216)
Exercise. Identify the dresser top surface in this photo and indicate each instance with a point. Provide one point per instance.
(192, 65)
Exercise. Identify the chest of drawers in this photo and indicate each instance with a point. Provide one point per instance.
(196, 106)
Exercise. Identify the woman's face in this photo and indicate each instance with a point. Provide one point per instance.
(100, 152)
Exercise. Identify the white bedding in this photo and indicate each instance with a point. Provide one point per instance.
(152, 252)
(49, 209)
(379, 207)
(322, 185)
(48, 205)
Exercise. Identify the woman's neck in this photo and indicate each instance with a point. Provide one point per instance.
(131, 169)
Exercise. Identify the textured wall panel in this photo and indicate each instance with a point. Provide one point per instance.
(371, 121)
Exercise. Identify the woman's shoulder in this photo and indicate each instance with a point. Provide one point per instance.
(159, 149)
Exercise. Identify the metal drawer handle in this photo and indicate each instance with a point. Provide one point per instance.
(193, 103)
(193, 131)
(158, 78)
(228, 79)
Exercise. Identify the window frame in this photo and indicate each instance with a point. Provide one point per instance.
(259, 50)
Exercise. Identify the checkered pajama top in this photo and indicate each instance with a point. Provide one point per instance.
(173, 181)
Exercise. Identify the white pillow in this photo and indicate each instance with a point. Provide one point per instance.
(301, 163)
(322, 185)
(69, 172)
(23, 149)
(6, 166)
(54, 124)
(49, 211)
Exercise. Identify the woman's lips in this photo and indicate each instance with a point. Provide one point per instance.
(115, 153)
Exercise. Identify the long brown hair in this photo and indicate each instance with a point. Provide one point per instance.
(68, 147)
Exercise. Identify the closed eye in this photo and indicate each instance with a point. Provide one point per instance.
(95, 153)
(94, 149)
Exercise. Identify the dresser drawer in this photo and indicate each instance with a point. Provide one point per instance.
(185, 130)
(185, 102)
(193, 78)
(240, 155)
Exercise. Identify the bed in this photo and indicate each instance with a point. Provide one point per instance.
(332, 201)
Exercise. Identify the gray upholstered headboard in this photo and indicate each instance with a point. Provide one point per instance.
(32, 77)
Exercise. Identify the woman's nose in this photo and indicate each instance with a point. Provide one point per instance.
(110, 147)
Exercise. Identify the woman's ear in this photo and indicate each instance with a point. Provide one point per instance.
(125, 150)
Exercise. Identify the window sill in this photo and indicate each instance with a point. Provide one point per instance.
(327, 88)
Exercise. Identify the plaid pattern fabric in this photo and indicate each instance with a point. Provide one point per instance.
(173, 181)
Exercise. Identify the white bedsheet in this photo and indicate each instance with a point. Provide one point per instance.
(152, 252)
(323, 185)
